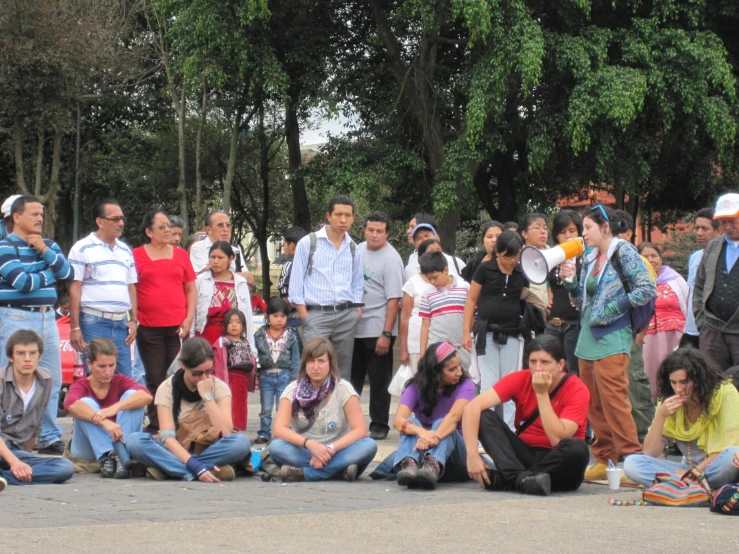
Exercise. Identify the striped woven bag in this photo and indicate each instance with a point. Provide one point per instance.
(693, 490)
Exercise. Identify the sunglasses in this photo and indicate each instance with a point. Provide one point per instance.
(164, 226)
(201, 373)
(116, 219)
(602, 211)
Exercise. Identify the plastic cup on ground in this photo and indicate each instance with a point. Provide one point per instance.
(614, 475)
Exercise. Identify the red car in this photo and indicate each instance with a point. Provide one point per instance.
(72, 367)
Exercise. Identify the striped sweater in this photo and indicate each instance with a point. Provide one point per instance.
(26, 276)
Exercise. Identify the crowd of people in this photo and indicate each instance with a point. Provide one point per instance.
(512, 384)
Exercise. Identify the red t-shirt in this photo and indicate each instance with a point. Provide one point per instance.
(118, 386)
(160, 292)
(571, 403)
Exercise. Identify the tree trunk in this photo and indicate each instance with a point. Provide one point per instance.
(50, 198)
(199, 215)
(231, 169)
(39, 161)
(301, 209)
(262, 231)
(77, 192)
(20, 180)
(181, 190)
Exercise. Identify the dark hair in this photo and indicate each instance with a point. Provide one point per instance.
(431, 262)
(192, 239)
(194, 352)
(209, 216)
(223, 246)
(707, 213)
(510, 226)
(293, 235)
(627, 219)
(227, 319)
(428, 378)
(651, 245)
(702, 373)
(528, 219)
(617, 225)
(148, 222)
(23, 336)
(509, 243)
(19, 204)
(562, 219)
(378, 217)
(489, 225)
(100, 347)
(340, 200)
(425, 245)
(99, 209)
(276, 305)
(422, 217)
(176, 221)
(546, 343)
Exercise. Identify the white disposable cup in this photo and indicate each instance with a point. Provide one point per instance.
(614, 477)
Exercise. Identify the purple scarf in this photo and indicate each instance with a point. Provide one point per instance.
(666, 275)
(307, 398)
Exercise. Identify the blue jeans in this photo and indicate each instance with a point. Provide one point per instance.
(271, 386)
(92, 443)
(138, 372)
(360, 453)
(94, 327)
(46, 471)
(451, 453)
(294, 322)
(719, 472)
(151, 452)
(12, 320)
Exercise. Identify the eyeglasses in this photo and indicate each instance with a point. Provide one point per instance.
(116, 219)
(602, 211)
(210, 371)
(164, 226)
(224, 225)
(536, 228)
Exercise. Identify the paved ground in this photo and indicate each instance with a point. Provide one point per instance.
(90, 514)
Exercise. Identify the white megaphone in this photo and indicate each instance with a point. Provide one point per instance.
(537, 264)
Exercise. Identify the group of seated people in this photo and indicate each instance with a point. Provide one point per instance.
(320, 431)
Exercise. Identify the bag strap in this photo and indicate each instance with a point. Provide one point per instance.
(456, 265)
(313, 241)
(535, 414)
(616, 263)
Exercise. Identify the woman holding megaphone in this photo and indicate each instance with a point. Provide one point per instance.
(604, 345)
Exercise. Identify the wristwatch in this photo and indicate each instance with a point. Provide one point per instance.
(331, 446)
(388, 334)
(208, 398)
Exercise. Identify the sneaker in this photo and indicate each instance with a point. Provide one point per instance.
(107, 468)
(290, 474)
(540, 485)
(55, 449)
(157, 473)
(350, 474)
(408, 471)
(225, 473)
(3, 484)
(596, 472)
(429, 474)
(120, 471)
(261, 440)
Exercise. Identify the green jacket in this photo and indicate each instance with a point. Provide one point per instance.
(703, 287)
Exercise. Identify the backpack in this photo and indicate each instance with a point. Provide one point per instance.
(640, 315)
(313, 240)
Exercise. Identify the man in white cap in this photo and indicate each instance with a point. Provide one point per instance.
(716, 292)
(6, 226)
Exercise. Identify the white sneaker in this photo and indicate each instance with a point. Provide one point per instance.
(3, 484)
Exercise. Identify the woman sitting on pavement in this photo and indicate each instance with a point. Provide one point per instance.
(320, 432)
(194, 409)
(431, 447)
(700, 411)
(107, 408)
(547, 452)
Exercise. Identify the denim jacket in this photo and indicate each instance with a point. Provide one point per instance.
(611, 289)
(289, 359)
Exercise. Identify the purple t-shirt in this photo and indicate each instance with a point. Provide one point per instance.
(411, 397)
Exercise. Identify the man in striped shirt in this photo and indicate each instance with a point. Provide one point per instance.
(29, 267)
(103, 292)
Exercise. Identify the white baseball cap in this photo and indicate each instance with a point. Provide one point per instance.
(8, 204)
(726, 206)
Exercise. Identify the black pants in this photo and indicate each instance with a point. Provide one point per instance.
(514, 459)
(158, 347)
(380, 371)
(690, 340)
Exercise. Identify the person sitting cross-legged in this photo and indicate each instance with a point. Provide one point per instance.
(107, 408)
(431, 447)
(547, 453)
(25, 389)
(700, 411)
(196, 437)
(319, 430)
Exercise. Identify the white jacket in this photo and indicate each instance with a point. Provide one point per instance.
(206, 286)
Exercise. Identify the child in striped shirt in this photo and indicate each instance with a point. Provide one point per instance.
(442, 305)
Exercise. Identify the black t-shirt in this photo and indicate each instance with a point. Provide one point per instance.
(500, 297)
(562, 307)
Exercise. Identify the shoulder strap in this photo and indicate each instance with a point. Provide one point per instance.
(312, 238)
(535, 414)
(239, 265)
(616, 263)
(456, 265)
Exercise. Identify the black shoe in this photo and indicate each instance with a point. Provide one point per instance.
(408, 472)
(120, 471)
(378, 435)
(261, 440)
(55, 449)
(429, 474)
(540, 485)
(107, 468)
(496, 481)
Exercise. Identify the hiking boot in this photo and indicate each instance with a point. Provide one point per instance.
(157, 473)
(107, 467)
(261, 440)
(224, 473)
(290, 474)
(55, 449)
(429, 474)
(496, 481)
(408, 471)
(3, 484)
(350, 473)
(596, 472)
(120, 471)
(540, 485)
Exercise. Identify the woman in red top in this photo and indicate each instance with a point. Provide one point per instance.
(166, 298)
(670, 310)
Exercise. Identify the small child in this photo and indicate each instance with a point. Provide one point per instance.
(279, 363)
(442, 307)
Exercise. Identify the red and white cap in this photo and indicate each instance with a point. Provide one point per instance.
(727, 206)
